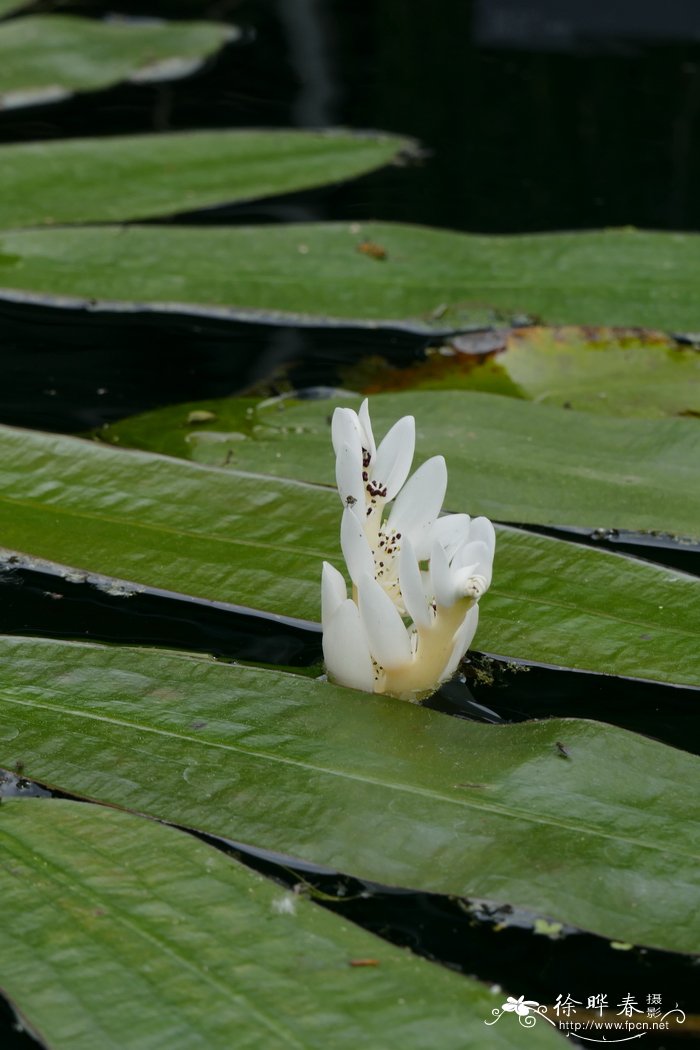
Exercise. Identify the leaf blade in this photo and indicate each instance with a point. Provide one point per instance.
(8, 6)
(374, 787)
(140, 176)
(47, 58)
(610, 371)
(510, 460)
(260, 541)
(428, 281)
(103, 908)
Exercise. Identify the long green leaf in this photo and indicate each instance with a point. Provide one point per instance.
(606, 839)
(47, 58)
(8, 6)
(117, 931)
(259, 541)
(423, 279)
(515, 462)
(132, 177)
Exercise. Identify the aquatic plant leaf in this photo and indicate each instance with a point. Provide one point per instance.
(7, 7)
(425, 280)
(102, 909)
(512, 461)
(137, 176)
(258, 541)
(610, 371)
(48, 58)
(603, 838)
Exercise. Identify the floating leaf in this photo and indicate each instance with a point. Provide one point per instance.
(604, 839)
(606, 371)
(512, 461)
(428, 280)
(47, 58)
(7, 7)
(104, 912)
(610, 371)
(259, 541)
(132, 177)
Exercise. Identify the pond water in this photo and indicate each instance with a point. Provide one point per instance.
(559, 116)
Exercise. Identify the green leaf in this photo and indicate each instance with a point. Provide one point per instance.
(427, 280)
(47, 58)
(113, 924)
(8, 6)
(617, 373)
(609, 371)
(259, 541)
(133, 177)
(391, 792)
(514, 462)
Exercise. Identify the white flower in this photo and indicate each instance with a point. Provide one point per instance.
(417, 577)
(520, 1006)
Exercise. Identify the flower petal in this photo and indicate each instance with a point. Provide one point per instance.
(387, 637)
(394, 456)
(464, 635)
(471, 553)
(345, 429)
(441, 577)
(348, 475)
(366, 425)
(474, 559)
(411, 583)
(333, 592)
(345, 649)
(451, 530)
(482, 529)
(418, 504)
(356, 550)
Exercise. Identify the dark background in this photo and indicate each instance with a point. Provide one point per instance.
(532, 114)
(537, 114)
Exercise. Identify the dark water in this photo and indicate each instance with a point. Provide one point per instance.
(537, 115)
(534, 116)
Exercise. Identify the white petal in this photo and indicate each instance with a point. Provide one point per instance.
(356, 549)
(441, 577)
(348, 475)
(366, 424)
(418, 504)
(345, 649)
(345, 429)
(451, 530)
(411, 583)
(476, 558)
(470, 553)
(482, 529)
(387, 637)
(394, 456)
(333, 592)
(463, 638)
